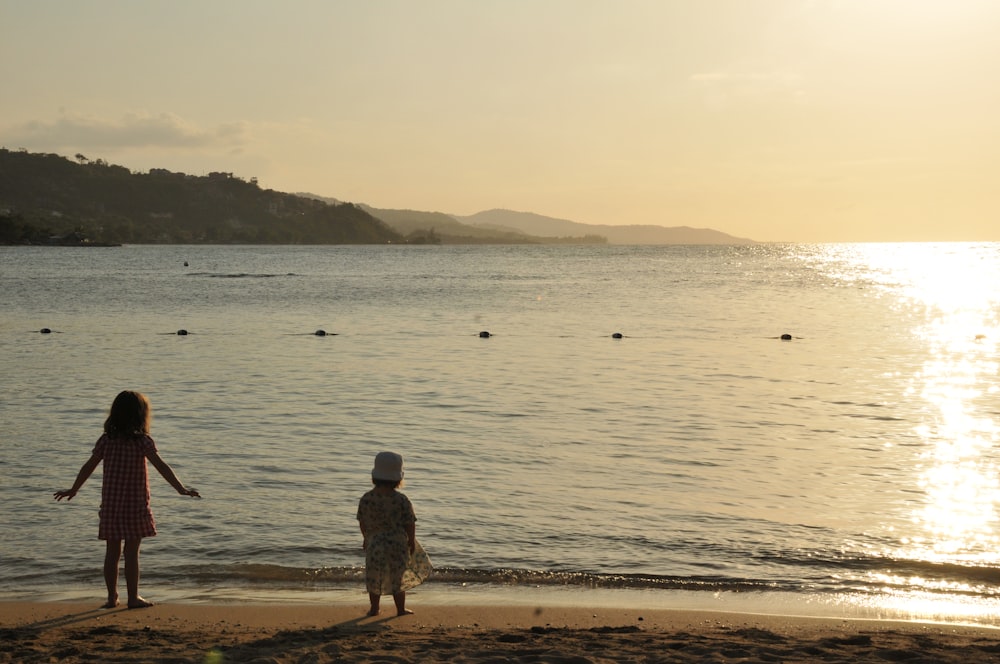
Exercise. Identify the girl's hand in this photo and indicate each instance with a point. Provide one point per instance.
(191, 492)
(68, 495)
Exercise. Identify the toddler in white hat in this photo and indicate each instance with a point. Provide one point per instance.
(394, 560)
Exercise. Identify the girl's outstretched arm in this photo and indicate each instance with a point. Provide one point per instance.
(85, 472)
(168, 474)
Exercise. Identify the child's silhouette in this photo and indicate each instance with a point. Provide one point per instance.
(394, 561)
(125, 515)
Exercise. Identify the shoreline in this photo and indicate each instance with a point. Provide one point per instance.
(78, 632)
(917, 607)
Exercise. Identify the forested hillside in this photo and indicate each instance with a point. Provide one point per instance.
(50, 199)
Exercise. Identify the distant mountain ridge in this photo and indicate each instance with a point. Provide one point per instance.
(50, 199)
(519, 227)
(536, 224)
(440, 228)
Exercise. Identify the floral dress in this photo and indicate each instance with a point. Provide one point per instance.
(125, 512)
(389, 566)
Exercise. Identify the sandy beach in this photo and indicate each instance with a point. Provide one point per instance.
(69, 632)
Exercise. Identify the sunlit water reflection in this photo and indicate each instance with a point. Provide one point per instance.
(952, 294)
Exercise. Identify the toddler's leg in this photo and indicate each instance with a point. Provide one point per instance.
(132, 574)
(400, 600)
(112, 555)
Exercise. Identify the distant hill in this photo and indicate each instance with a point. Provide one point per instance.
(440, 228)
(535, 224)
(49, 199)
(507, 226)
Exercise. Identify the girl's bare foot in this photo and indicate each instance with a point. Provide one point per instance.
(110, 604)
(373, 611)
(139, 603)
(404, 612)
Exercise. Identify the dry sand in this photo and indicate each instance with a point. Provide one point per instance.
(63, 632)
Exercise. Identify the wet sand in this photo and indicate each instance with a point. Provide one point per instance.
(262, 633)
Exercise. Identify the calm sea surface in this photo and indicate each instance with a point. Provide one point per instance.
(698, 461)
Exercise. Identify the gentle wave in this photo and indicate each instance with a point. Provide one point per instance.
(299, 577)
(936, 577)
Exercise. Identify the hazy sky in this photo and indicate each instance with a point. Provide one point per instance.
(800, 120)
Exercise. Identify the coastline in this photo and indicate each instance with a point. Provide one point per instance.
(919, 607)
(237, 632)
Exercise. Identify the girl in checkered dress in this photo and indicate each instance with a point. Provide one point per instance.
(125, 515)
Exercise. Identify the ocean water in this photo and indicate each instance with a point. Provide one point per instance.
(698, 461)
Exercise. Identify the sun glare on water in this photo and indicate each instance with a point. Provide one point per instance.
(950, 295)
(958, 289)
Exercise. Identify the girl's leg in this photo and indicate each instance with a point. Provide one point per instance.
(132, 574)
(400, 600)
(374, 598)
(112, 554)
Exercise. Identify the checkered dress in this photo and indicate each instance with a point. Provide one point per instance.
(125, 512)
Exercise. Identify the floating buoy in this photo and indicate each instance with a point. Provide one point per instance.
(616, 335)
(45, 330)
(320, 333)
(786, 337)
(182, 333)
(185, 263)
(485, 335)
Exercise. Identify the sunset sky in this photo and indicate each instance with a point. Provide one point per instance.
(776, 120)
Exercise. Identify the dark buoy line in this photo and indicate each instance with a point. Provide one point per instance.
(484, 334)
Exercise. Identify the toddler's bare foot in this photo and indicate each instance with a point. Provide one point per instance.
(139, 603)
(373, 612)
(110, 604)
(404, 612)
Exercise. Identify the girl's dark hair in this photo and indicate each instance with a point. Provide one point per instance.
(392, 484)
(129, 414)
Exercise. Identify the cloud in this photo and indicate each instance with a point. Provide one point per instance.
(134, 130)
